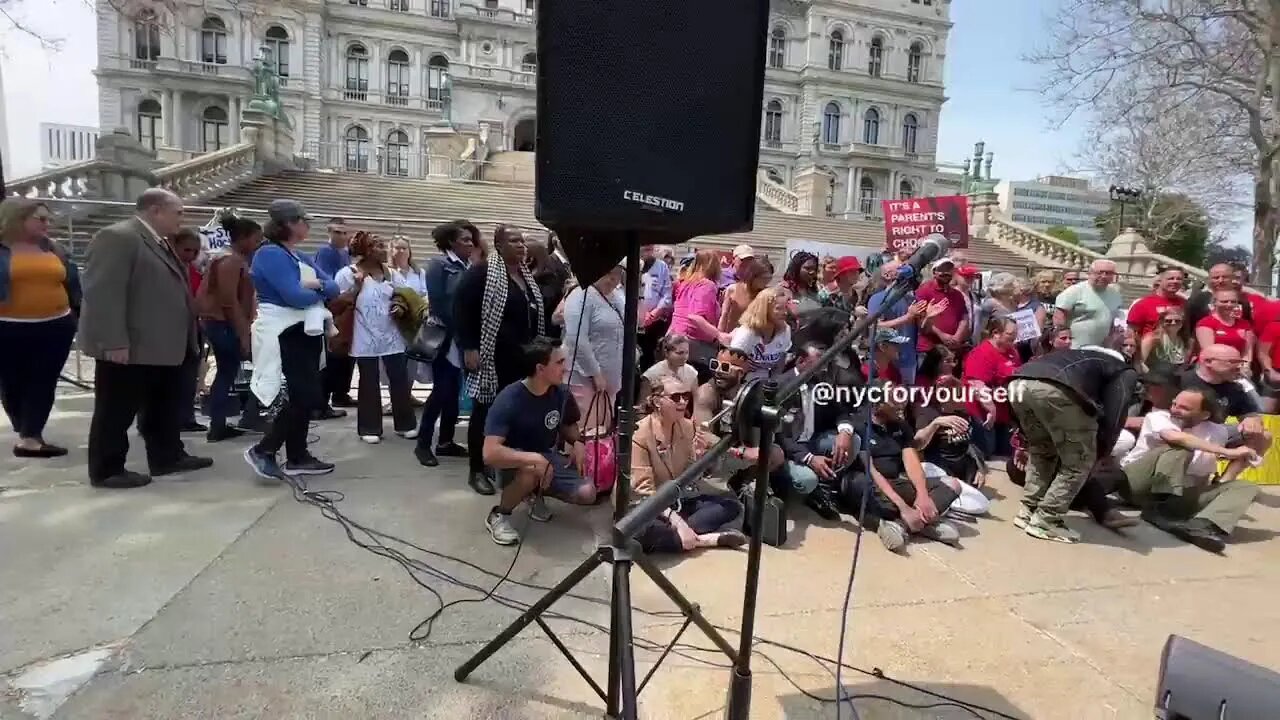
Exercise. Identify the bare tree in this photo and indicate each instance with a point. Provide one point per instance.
(1168, 149)
(1216, 60)
(12, 19)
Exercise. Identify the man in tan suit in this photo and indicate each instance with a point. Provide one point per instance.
(138, 323)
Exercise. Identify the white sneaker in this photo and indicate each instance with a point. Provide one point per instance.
(892, 535)
(371, 439)
(408, 434)
(941, 531)
(500, 528)
(1022, 518)
(538, 509)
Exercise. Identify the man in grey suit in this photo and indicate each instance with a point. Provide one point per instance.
(138, 322)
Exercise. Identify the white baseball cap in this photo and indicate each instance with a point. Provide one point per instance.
(742, 252)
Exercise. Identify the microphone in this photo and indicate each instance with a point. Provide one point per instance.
(933, 247)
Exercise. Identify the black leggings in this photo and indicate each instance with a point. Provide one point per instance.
(304, 394)
(32, 355)
(704, 514)
(479, 413)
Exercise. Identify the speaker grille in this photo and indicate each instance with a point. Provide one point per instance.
(659, 98)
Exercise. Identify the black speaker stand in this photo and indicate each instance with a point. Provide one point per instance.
(621, 552)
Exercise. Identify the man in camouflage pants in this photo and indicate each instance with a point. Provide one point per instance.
(1070, 405)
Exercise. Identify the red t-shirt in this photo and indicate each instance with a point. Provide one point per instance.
(993, 367)
(949, 320)
(1263, 309)
(891, 374)
(1235, 335)
(1271, 334)
(1144, 316)
(194, 278)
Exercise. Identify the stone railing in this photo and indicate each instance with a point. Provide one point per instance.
(89, 179)
(211, 173)
(1039, 246)
(775, 195)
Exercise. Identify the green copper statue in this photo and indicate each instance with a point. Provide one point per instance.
(266, 88)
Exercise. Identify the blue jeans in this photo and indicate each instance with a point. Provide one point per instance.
(803, 479)
(442, 404)
(993, 442)
(226, 355)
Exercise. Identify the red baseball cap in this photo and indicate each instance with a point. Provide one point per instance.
(847, 264)
(968, 271)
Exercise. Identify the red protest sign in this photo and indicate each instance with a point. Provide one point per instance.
(908, 222)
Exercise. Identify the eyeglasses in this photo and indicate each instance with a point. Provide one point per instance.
(1227, 302)
(718, 365)
(681, 397)
(1173, 321)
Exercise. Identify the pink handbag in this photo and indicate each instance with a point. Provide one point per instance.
(601, 462)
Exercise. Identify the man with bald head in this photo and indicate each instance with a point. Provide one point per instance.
(1090, 308)
(1220, 368)
(138, 322)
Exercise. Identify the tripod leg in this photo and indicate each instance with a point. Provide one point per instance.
(626, 650)
(690, 610)
(528, 616)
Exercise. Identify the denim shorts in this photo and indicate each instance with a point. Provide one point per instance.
(565, 480)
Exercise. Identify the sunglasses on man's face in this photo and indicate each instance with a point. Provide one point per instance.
(718, 365)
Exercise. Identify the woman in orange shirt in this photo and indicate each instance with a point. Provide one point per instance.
(39, 301)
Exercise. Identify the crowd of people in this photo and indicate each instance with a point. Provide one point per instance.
(1159, 407)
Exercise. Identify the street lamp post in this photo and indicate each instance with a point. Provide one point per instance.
(1124, 195)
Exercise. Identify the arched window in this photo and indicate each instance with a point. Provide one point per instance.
(437, 81)
(439, 8)
(906, 190)
(875, 59)
(146, 37)
(277, 42)
(529, 63)
(213, 129)
(398, 154)
(357, 149)
(778, 47)
(910, 129)
(915, 61)
(150, 127)
(835, 50)
(867, 196)
(397, 78)
(773, 123)
(831, 124)
(357, 72)
(871, 127)
(213, 41)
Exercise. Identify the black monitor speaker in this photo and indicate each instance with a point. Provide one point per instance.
(1200, 683)
(648, 121)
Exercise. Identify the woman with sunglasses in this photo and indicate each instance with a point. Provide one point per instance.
(665, 444)
(1226, 325)
(39, 301)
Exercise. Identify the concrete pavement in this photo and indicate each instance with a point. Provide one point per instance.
(213, 596)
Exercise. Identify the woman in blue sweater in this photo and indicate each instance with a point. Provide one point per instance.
(288, 342)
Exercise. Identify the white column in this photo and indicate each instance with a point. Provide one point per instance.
(234, 110)
(850, 193)
(166, 117)
(177, 119)
(891, 192)
(857, 190)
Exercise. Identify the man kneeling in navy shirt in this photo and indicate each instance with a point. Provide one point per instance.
(527, 422)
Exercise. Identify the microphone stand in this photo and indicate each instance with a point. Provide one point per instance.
(759, 405)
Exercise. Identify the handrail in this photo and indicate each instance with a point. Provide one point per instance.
(201, 160)
(53, 173)
(1043, 237)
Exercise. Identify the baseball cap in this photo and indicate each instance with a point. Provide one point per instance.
(847, 264)
(742, 252)
(942, 262)
(286, 211)
(968, 271)
(889, 335)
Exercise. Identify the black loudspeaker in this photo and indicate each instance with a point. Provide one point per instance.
(648, 119)
(1200, 683)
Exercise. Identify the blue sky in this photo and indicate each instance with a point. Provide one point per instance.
(992, 91)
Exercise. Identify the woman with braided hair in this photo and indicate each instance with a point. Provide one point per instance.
(498, 309)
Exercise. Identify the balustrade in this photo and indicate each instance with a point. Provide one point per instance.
(775, 195)
(209, 172)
